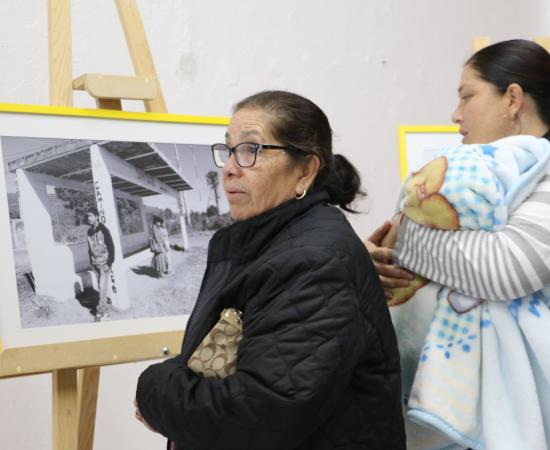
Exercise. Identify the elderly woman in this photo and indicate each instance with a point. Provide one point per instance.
(317, 366)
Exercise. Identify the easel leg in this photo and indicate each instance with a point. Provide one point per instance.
(138, 47)
(60, 52)
(74, 401)
(88, 384)
(64, 409)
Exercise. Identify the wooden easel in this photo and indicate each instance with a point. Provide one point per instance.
(74, 397)
(483, 41)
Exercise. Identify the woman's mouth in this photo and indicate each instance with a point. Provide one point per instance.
(234, 194)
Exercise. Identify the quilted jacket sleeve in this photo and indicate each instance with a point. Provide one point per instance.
(304, 334)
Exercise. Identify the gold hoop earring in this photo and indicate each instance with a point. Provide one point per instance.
(302, 195)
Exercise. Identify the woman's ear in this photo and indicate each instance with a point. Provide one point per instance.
(514, 94)
(309, 170)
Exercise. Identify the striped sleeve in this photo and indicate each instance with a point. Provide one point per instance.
(501, 265)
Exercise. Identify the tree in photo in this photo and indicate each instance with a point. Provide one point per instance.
(212, 179)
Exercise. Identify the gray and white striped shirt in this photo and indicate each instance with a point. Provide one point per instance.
(500, 265)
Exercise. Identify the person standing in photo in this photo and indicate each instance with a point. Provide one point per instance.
(166, 240)
(102, 254)
(160, 246)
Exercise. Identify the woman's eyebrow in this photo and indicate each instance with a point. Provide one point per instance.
(248, 133)
(245, 134)
(462, 87)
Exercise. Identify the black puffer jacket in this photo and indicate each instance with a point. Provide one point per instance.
(318, 366)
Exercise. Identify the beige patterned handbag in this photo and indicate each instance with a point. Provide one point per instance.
(216, 355)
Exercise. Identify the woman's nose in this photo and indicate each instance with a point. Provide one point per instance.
(230, 167)
(457, 115)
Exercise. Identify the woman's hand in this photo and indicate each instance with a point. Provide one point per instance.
(391, 276)
(141, 419)
(390, 238)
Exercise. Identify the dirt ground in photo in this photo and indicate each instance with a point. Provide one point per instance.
(150, 295)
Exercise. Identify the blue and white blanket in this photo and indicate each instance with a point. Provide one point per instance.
(477, 371)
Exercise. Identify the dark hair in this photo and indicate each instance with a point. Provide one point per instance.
(93, 210)
(517, 61)
(299, 123)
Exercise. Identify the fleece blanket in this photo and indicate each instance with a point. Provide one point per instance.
(476, 372)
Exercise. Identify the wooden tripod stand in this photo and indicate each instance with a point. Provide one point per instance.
(75, 390)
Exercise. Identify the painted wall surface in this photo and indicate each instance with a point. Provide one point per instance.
(370, 65)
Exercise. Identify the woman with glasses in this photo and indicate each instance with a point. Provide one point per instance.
(318, 366)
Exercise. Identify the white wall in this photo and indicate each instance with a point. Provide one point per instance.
(371, 65)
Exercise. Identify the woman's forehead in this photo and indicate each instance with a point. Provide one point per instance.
(245, 133)
(469, 75)
(247, 123)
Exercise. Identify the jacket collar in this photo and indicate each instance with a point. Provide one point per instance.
(243, 240)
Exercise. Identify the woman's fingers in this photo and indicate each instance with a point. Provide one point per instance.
(378, 234)
(393, 271)
(391, 276)
(390, 283)
(381, 254)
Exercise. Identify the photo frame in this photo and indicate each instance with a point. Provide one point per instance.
(419, 144)
(105, 218)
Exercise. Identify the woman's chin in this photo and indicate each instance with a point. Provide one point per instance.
(237, 214)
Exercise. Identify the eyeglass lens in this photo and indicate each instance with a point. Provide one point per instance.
(245, 153)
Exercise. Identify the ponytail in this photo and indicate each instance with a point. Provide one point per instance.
(342, 182)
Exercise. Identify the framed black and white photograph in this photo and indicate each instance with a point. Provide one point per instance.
(105, 219)
(419, 144)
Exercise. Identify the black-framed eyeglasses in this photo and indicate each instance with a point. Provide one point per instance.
(245, 152)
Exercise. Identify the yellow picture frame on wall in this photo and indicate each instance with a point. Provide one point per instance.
(418, 144)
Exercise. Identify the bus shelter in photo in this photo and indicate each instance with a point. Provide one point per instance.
(108, 170)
